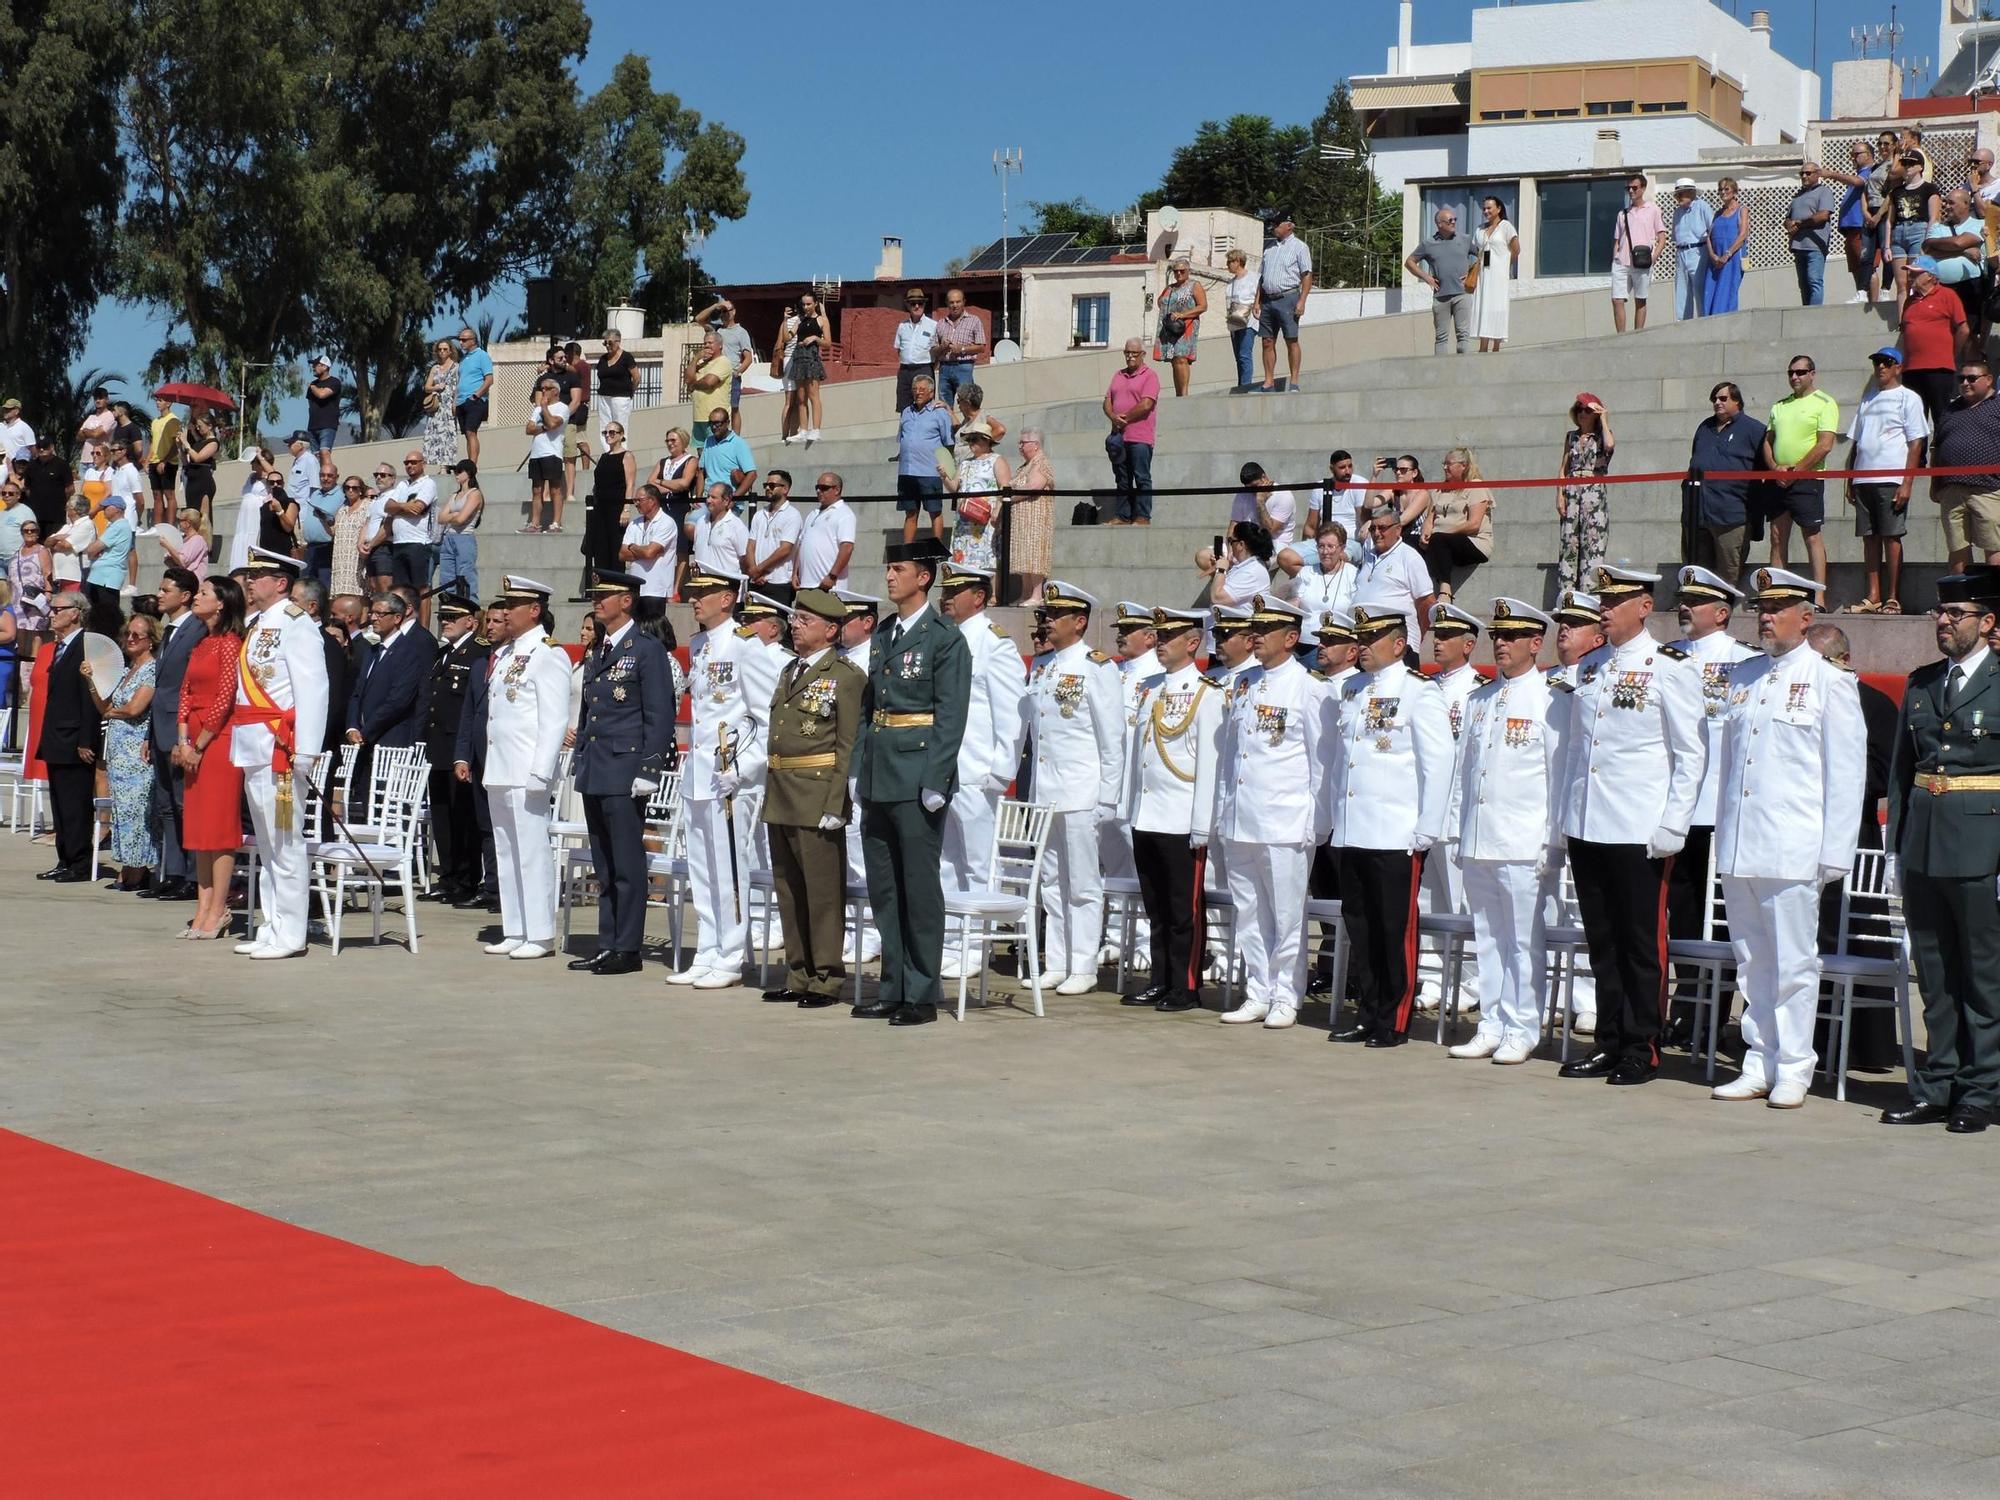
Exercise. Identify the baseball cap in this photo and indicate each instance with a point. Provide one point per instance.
(1888, 354)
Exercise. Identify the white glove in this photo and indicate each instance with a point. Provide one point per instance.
(1422, 842)
(1105, 812)
(644, 786)
(1664, 842)
(1552, 859)
(726, 782)
(1197, 842)
(1829, 874)
(1892, 874)
(933, 800)
(996, 784)
(829, 823)
(537, 784)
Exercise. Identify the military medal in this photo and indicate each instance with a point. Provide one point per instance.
(1714, 687)
(1630, 690)
(1069, 693)
(1457, 718)
(618, 695)
(1271, 721)
(1796, 695)
(1517, 732)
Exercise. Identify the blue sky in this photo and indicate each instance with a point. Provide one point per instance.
(861, 122)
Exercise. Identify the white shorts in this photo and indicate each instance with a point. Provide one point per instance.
(1629, 282)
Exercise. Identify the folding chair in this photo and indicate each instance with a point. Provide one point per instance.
(374, 864)
(1714, 963)
(1873, 949)
(1010, 906)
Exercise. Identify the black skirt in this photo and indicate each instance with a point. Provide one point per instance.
(806, 363)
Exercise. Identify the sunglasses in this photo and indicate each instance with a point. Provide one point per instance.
(1965, 379)
(1798, 374)
(824, 487)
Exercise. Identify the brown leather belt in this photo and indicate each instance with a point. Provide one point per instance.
(886, 720)
(824, 761)
(1937, 783)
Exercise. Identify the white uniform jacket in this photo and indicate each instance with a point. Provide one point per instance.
(1075, 709)
(1505, 789)
(760, 686)
(283, 655)
(1170, 779)
(1712, 656)
(1279, 735)
(1392, 763)
(1632, 750)
(990, 752)
(527, 712)
(1458, 686)
(1794, 752)
(726, 666)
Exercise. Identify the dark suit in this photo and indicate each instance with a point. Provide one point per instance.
(389, 700)
(71, 725)
(471, 748)
(1947, 843)
(163, 733)
(454, 823)
(925, 673)
(623, 733)
(339, 684)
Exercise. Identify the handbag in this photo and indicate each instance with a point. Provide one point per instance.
(1642, 255)
(1083, 513)
(977, 509)
(1472, 274)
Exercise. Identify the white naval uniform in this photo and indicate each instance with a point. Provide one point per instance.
(1369, 789)
(1501, 801)
(1076, 714)
(1160, 795)
(1270, 813)
(1628, 775)
(1582, 987)
(283, 654)
(527, 714)
(988, 754)
(1216, 876)
(1444, 886)
(1794, 748)
(725, 735)
(1712, 656)
(763, 665)
(1114, 835)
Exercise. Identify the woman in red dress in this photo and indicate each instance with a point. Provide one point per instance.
(211, 822)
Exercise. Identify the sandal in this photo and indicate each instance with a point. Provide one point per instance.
(527, 531)
(1862, 607)
(553, 530)
(1891, 607)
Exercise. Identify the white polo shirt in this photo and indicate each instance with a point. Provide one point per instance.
(657, 574)
(404, 530)
(771, 529)
(825, 529)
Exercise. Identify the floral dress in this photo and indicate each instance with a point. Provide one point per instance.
(1583, 530)
(131, 775)
(1178, 302)
(440, 443)
(972, 546)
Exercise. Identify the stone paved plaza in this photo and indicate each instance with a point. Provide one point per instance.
(1167, 1257)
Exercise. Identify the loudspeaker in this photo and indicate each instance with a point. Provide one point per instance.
(551, 305)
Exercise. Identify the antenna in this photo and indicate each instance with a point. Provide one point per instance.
(1125, 221)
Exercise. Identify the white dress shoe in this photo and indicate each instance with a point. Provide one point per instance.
(950, 968)
(505, 946)
(530, 950)
(1077, 984)
(685, 976)
(274, 951)
(249, 945)
(1249, 1010)
(1050, 978)
(717, 979)
(1280, 1017)
(1512, 1054)
(1739, 1089)
(1585, 1023)
(1478, 1047)
(1787, 1096)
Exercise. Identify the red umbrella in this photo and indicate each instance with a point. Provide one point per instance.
(187, 390)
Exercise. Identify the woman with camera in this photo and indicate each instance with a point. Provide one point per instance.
(1239, 566)
(1181, 307)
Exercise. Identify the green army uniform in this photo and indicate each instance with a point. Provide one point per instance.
(815, 716)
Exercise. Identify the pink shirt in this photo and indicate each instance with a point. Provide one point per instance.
(1128, 389)
(1647, 227)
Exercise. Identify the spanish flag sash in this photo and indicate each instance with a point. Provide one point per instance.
(263, 709)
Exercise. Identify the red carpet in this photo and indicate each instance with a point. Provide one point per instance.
(157, 1343)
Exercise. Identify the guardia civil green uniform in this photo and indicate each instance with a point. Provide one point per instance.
(815, 715)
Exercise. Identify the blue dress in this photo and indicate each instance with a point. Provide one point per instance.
(131, 775)
(1720, 285)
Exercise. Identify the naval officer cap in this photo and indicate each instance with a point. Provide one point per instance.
(1335, 627)
(516, 589)
(858, 605)
(756, 606)
(1059, 597)
(454, 606)
(1372, 620)
(1575, 607)
(704, 579)
(1617, 582)
(1699, 586)
(1133, 616)
(610, 581)
(1448, 620)
(262, 560)
(1516, 617)
(1173, 621)
(824, 603)
(959, 576)
(1229, 617)
(1270, 613)
(1776, 586)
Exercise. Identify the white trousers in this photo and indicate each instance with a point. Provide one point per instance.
(613, 410)
(753, 848)
(1774, 928)
(718, 919)
(283, 893)
(1507, 935)
(1072, 893)
(525, 861)
(1268, 884)
(1114, 853)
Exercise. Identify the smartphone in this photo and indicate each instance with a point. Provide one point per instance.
(1215, 548)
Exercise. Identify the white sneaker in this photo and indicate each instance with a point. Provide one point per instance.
(530, 950)
(685, 976)
(1478, 1047)
(1512, 1054)
(1077, 984)
(789, 438)
(717, 979)
(1739, 1089)
(1787, 1095)
(1585, 1023)
(1052, 977)
(812, 434)
(1857, 299)
(1280, 1017)
(505, 946)
(1249, 1010)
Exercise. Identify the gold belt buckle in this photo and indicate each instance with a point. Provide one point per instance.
(1935, 782)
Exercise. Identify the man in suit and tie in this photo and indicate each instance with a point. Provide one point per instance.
(815, 715)
(1944, 838)
(623, 734)
(72, 738)
(179, 631)
(454, 824)
(919, 683)
(391, 689)
(309, 594)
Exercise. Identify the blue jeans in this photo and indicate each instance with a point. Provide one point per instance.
(1132, 472)
(458, 558)
(1244, 342)
(319, 562)
(1811, 264)
(950, 376)
(322, 439)
(1689, 260)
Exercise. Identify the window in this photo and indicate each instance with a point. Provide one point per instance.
(1671, 107)
(1578, 222)
(1090, 320)
(1609, 107)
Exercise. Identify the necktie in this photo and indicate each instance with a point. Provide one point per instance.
(895, 634)
(1954, 686)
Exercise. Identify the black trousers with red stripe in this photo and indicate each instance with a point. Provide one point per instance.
(1170, 886)
(1378, 906)
(1622, 897)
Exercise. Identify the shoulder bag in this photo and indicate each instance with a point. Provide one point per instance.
(1642, 255)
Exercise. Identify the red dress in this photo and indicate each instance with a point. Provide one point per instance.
(211, 819)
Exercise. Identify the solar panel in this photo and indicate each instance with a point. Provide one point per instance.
(1031, 250)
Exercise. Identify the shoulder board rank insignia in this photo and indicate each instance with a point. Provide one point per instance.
(1099, 657)
(1318, 675)
(1214, 682)
(1673, 653)
(744, 632)
(1559, 683)
(293, 612)
(548, 640)
(990, 625)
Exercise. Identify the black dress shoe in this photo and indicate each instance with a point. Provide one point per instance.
(180, 890)
(1348, 1034)
(817, 1002)
(1627, 1073)
(50, 874)
(149, 892)
(493, 905)
(579, 965)
(440, 894)
(779, 997)
(1597, 1065)
(1386, 1039)
(617, 963)
(1151, 995)
(1679, 1033)
(875, 1010)
(470, 902)
(70, 877)
(1174, 1004)
(1916, 1114)
(1968, 1122)
(912, 1014)
(1320, 984)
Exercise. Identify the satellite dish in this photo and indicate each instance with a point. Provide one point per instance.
(1170, 219)
(1006, 352)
